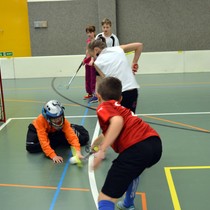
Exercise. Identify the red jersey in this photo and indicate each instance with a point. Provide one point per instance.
(134, 129)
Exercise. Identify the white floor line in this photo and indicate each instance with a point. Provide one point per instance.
(94, 116)
(5, 124)
(171, 114)
(91, 174)
(149, 114)
(31, 118)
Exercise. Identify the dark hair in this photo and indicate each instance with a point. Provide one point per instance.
(99, 42)
(90, 29)
(110, 88)
(101, 38)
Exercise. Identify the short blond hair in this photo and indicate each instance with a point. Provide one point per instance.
(106, 21)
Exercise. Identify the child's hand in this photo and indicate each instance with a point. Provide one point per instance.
(94, 147)
(87, 60)
(79, 155)
(91, 62)
(100, 155)
(57, 159)
(135, 67)
(97, 142)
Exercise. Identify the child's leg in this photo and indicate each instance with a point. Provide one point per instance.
(93, 79)
(57, 138)
(129, 99)
(88, 79)
(105, 205)
(131, 193)
(32, 141)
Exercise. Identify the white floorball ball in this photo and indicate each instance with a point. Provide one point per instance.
(73, 160)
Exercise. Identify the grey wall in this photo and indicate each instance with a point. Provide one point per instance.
(165, 25)
(67, 20)
(66, 26)
(162, 25)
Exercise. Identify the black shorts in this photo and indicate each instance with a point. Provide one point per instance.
(130, 164)
(32, 142)
(129, 99)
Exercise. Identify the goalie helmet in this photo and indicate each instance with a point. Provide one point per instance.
(53, 112)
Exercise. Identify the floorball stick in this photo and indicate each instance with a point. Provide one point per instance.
(70, 81)
(75, 160)
(92, 151)
(128, 53)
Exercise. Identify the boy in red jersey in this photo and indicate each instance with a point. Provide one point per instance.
(139, 146)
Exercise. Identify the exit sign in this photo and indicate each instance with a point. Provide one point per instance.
(6, 54)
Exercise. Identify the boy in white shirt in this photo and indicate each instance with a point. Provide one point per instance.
(111, 39)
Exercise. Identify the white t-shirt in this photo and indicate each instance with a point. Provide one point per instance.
(112, 61)
(111, 41)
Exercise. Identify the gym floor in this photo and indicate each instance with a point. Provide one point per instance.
(176, 105)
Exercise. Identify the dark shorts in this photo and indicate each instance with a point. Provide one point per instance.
(129, 99)
(32, 142)
(130, 164)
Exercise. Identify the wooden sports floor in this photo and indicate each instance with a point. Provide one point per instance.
(176, 105)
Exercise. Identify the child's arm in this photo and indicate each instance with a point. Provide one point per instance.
(137, 48)
(99, 71)
(91, 63)
(115, 127)
(98, 141)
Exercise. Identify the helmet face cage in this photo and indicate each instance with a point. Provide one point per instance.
(57, 122)
(53, 111)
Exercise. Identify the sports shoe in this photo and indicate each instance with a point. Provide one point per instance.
(87, 96)
(121, 206)
(94, 99)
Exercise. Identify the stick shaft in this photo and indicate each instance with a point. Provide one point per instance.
(70, 81)
(88, 155)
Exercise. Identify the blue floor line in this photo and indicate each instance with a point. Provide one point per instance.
(60, 184)
(65, 170)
